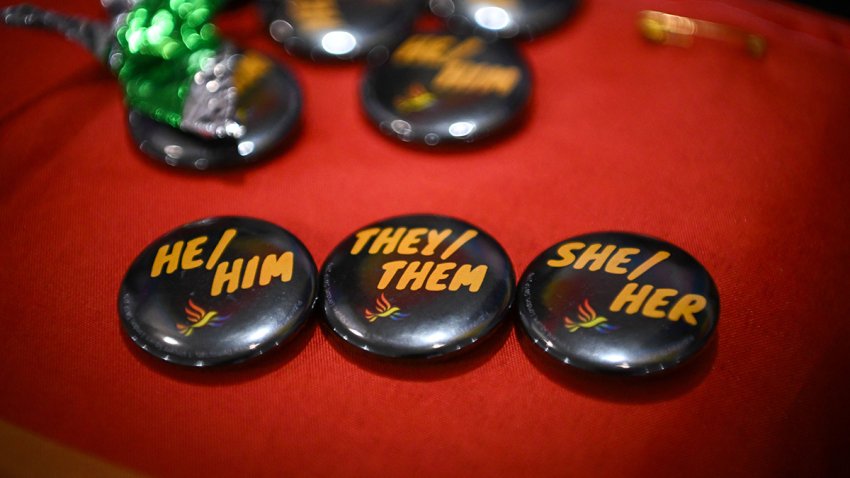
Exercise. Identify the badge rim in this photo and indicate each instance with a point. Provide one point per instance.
(272, 341)
(462, 23)
(382, 116)
(652, 369)
(389, 37)
(450, 349)
(153, 138)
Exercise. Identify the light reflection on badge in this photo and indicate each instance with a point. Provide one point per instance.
(503, 18)
(332, 30)
(447, 90)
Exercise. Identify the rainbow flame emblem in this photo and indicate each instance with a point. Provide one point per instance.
(417, 98)
(383, 309)
(198, 318)
(588, 320)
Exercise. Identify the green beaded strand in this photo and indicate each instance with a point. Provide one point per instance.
(163, 43)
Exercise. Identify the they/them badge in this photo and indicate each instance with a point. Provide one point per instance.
(416, 286)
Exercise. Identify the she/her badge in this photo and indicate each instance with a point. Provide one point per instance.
(619, 303)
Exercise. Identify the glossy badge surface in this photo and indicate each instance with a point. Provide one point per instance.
(503, 18)
(619, 303)
(217, 291)
(338, 29)
(416, 286)
(439, 88)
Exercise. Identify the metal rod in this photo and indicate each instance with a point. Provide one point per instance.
(668, 29)
(96, 37)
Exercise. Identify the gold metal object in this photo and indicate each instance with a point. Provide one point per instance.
(667, 29)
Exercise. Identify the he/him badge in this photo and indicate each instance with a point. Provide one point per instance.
(416, 286)
(437, 89)
(218, 290)
(619, 303)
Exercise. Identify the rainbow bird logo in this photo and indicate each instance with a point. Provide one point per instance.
(416, 98)
(384, 309)
(199, 318)
(588, 320)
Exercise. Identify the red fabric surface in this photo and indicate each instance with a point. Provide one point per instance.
(741, 162)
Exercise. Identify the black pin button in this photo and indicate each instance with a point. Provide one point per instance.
(268, 108)
(416, 286)
(217, 291)
(503, 18)
(439, 88)
(338, 29)
(619, 303)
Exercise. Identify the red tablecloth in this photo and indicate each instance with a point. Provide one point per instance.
(741, 162)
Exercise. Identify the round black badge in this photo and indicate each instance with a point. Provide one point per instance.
(438, 88)
(268, 108)
(416, 286)
(503, 18)
(217, 291)
(618, 302)
(338, 29)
